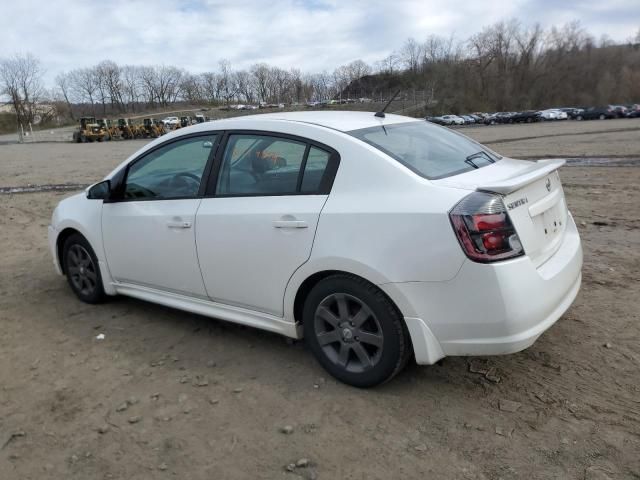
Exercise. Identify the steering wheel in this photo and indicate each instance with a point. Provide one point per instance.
(179, 180)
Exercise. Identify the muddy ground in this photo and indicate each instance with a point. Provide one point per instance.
(168, 394)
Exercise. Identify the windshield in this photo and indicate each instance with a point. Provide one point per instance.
(429, 150)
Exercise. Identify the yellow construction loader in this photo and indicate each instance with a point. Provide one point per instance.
(150, 128)
(89, 131)
(126, 130)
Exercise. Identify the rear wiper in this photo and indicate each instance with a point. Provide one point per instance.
(470, 159)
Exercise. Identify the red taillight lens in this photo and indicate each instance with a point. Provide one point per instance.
(484, 229)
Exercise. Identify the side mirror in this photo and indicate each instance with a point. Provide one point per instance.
(99, 191)
(207, 144)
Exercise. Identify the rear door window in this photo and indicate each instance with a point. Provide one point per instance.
(256, 164)
(314, 170)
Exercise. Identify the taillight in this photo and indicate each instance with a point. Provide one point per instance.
(484, 229)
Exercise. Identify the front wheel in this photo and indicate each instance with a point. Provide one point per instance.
(354, 331)
(82, 269)
(602, 116)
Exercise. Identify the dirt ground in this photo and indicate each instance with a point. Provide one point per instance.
(168, 394)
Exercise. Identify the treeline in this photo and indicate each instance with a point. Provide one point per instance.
(108, 87)
(506, 66)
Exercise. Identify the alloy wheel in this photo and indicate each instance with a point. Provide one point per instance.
(81, 270)
(348, 332)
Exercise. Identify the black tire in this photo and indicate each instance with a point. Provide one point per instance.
(339, 312)
(82, 269)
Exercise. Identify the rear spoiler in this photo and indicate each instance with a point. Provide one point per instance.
(539, 169)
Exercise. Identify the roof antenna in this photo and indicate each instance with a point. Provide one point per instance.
(381, 112)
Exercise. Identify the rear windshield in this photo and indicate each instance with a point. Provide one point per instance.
(429, 150)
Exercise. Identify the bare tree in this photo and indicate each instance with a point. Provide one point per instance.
(21, 81)
(388, 64)
(210, 86)
(83, 81)
(63, 84)
(110, 77)
(261, 73)
(227, 86)
(191, 89)
(131, 86)
(410, 55)
(244, 85)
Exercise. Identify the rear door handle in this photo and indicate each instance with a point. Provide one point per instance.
(290, 224)
(178, 224)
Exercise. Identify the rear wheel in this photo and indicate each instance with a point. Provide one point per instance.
(579, 117)
(602, 116)
(82, 269)
(354, 331)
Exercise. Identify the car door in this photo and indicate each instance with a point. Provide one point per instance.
(148, 227)
(257, 223)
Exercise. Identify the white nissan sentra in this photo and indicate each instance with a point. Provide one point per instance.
(374, 237)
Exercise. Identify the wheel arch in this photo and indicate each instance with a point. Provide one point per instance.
(64, 234)
(60, 240)
(425, 345)
(313, 279)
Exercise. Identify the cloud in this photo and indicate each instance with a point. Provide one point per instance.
(312, 35)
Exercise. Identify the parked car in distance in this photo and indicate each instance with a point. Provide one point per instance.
(561, 115)
(572, 112)
(268, 221)
(527, 116)
(498, 117)
(437, 120)
(171, 121)
(452, 120)
(592, 113)
(446, 120)
(620, 111)
(553, 114)
(633, 111)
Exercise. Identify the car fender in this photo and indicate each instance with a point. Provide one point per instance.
(317, 265)
(85, 216)
(427, 349)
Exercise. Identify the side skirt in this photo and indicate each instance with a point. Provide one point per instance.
(208, 308)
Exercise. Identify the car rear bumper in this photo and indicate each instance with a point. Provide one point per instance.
(490, 309)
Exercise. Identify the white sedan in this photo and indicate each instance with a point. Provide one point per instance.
(170, 121)
(553, 114)
(452, 120)
(376, 238)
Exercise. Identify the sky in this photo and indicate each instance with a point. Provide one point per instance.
(312, 35)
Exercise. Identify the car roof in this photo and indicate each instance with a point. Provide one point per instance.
(343, 121)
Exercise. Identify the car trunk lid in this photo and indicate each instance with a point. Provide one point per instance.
(534, 198)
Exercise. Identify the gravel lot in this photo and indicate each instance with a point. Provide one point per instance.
(168, 394)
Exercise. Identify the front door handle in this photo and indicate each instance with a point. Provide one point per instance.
(290, 224)
(178, 224)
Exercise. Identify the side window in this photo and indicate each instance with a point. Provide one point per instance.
(260, 164)
(173, 171)
(314, 170)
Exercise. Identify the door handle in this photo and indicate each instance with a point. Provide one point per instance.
(179, 224)
(290, 224)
